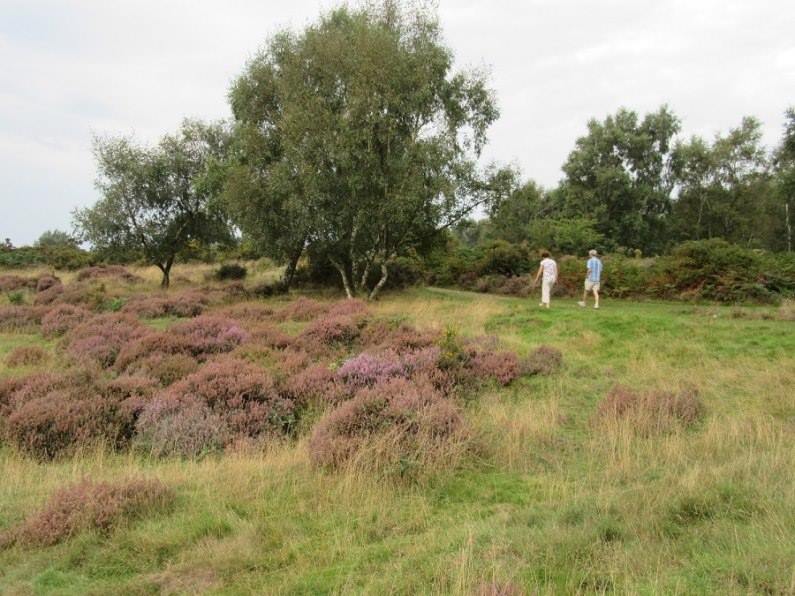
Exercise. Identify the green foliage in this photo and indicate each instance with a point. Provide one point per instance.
(230, 271)
(358, 140)
(504, 258)
(158, 202)
(16, 298)
(568, 236)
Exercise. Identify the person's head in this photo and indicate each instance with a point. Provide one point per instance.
(592, 253)
(544, 254)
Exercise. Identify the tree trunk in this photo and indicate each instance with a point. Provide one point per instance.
(289, 272)
(166, 269)
(344, 275)
(381, 282)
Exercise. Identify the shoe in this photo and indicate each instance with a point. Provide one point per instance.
(581, 303)
(541, 304)
(596, 307)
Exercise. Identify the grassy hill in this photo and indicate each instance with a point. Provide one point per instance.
(552, 501)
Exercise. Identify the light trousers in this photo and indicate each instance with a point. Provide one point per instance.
(546, 290)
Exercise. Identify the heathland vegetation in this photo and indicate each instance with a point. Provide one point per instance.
(279, 355)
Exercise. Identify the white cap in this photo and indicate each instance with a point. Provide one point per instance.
(592, 252)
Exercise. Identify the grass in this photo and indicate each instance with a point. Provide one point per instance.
(551, 503)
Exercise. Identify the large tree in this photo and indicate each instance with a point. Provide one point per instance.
(620, 176)
(785, 182)
(724, 188)
(158, 201)
(356, 141)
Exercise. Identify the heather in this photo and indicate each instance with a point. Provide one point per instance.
(497, 440)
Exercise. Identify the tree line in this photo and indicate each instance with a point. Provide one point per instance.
(354, 142)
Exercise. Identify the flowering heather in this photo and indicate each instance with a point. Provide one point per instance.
(241, 393)
(247, 312)
(101, 338)
(90, 506)
(330, 330)
(544, 360)
(209, 334)
(500, 366)
(49, 295)
(187, 304)
(20, 318)
(347, 308)
(316, 384)
(26, 356)
(107, 271)
(293, 360)
(302, 309)
(170, 427)
(268, 334)
(45, 282)
(412, 418)
(165, 368)
(10, 283)
(653, 410)
(61, 318)
(399, 337)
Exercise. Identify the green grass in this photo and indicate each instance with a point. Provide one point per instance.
(551, 503)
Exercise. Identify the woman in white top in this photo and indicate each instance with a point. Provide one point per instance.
(549, 269)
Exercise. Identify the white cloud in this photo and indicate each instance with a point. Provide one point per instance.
(72, 68)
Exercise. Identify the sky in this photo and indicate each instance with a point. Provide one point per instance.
(71, 69)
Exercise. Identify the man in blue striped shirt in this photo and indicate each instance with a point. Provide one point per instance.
(593, 278)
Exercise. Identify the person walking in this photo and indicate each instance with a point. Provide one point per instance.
(549, 269)
(593, 278)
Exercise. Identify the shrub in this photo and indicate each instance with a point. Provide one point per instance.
(652, 411)
(302, 309)
(229, 271)
(26, 356)
(223, 400)
(544, 360)
(107, 271)
(315, 384)
(20, 318)
(45, 282)
(392, 425)
(61, 318)
(332, 330)
(208, 334)
(90, 506)
(247, 312)
(11, 283)
(101, 338)
(168, 427)
(504, 258)
(500, 366)
(266, 334)
(368, 369)
(16, 298)
(91, 296)
(396, 336)
(187, 304)
(165, 368)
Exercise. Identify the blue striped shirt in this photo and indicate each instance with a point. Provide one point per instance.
(595, 269)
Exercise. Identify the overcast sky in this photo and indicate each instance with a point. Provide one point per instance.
(70, 69)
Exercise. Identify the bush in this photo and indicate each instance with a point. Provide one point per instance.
(209, 334)
(392, 426)
(100, 339)
(332, 330)
(60, 319)
(224, 400)
(314, 385)
(26, 356)
(12, 283)
(165, 368)
(655, 411)
(20, 318)
(544, 360)
(45, 282)
(368, 369)
(90, 505)
(16, 298)
(500, 366)
(107, 271)
(229, 271)
(187, 304)
(302, 309)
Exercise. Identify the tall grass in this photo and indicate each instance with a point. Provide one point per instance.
(544, 499)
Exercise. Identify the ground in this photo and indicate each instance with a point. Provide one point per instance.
(551, 503)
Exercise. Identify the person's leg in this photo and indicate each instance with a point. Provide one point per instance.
(584, 294)
(596, 296)
(546, 286)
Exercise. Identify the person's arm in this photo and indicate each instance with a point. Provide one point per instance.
(540, 271)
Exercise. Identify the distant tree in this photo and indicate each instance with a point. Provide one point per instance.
(357, 141)
(158, 201)
(511, 217)
(619, 175)
(724, 188)
(55, 239)
(785, 182)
